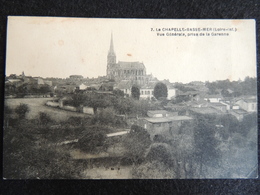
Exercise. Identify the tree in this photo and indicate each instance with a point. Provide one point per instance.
(160, 90)
(136, 143)
(44, 118)
(96, 101)
(93, 139)
(118, 92)
(135, 92)
(22, 110)
(206, 144)
(7, 115)
(105, 117)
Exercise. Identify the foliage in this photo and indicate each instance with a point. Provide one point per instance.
(206, 149)
(249, 121)
(74, 120)
(22, 110)
(44, 118)
(160, 90)
(105, 117)
(136, 143)
(246, 87)
(160, 152)
(153, 170)
(93, 139)
(124, 105)
(118, 93)
(23, 158)
(179, 99)
(183, 88)
(135, 92)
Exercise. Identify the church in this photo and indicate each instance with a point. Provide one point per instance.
(131, 71)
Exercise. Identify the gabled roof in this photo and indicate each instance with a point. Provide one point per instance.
(131, 65)
(247, 100)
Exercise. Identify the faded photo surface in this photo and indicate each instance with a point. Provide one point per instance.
(130, 99)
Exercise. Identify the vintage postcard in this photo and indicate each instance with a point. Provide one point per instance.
(100, 98)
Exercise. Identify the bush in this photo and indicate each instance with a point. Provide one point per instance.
(74, 120)
(105, 117)
(92, 140)
(22, 110)
(44, 118)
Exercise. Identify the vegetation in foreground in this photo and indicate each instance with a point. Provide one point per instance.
(200, 149)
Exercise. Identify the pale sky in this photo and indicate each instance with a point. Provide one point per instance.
(60, 47)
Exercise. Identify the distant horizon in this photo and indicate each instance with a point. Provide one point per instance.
(105, 76)
(57, 47)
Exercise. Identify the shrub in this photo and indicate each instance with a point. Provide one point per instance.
(44, 118)
(22, 110)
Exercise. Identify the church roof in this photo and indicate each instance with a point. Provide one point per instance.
(131, 65)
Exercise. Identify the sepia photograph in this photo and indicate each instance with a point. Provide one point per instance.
(96, 98)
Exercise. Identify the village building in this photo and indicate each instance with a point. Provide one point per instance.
(166, 126)
(213, 98)
(238, 113)
(191, 95)
(219, 106)
(249, 105)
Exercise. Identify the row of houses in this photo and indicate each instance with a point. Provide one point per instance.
(168, 122)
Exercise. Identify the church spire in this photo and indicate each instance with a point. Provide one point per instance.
(111, 49)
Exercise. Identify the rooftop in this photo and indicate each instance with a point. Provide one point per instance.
(206, 110)
(168, 119)
(131, 65)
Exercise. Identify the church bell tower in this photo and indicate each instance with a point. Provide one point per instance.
(111, 57)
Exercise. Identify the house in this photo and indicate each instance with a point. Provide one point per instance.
(165, 126)
(197, 104)
(205, 111)
(124, 86)
(83, 86)
(238, 113)
(147, 91)
(249, 105)
(213, 98)
(160, 113)
(219, 106)
(181, 109)
(171, 92)
(192, 95)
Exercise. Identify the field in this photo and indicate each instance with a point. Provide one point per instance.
(37, 105)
